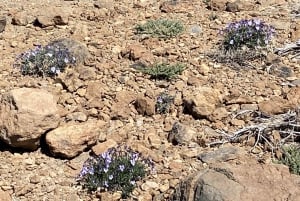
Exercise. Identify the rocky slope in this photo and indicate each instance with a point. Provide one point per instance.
(103, 101)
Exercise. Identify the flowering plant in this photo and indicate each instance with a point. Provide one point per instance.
(115, 170)
(163, 102)
(250, 33)
(44, 61)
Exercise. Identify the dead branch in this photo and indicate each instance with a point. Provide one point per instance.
(286, 124)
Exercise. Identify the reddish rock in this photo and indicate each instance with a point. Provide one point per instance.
(70, 140)
(276, 105)
(145, 106)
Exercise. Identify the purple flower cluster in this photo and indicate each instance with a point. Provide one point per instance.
(44, 61)
(163, 102)
(117, 169)
(250, 33)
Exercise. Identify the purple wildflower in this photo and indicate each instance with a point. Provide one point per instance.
(134, 158)
(122, 168)
(110, 177)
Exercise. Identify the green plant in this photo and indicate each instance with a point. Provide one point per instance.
(291, 158)
(163, 102)
(250, 33)
(162, 28)
(163, 70)
(44, 61)
(118, 169)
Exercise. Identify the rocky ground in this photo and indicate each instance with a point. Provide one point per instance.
(104, 101)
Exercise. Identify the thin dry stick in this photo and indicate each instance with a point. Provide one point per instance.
(286, 124)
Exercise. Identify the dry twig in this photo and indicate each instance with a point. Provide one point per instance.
(287, 124)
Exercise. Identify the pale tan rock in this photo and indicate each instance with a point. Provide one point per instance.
(146, 152)
(104, 146)
(219, 5)
(134, 52)
(154, 140)
(294, 96)
(53, 16)
(219, 114)
(22, 19)
(70, 140)
(204, 69)
(237, 122)
(121, 108)
(202, 101)
(5, 196)
(26, 114)
(77, 116)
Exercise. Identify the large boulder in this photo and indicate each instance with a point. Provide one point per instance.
(25, 115)
(70, 140)
(243, 180)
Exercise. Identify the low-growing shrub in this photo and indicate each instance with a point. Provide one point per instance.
(44, 61)
(291, 158)
(162, 28)
(163, 70)
(250, 33)
(118, 169)
(163, 103)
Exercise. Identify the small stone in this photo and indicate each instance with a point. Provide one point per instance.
(77, 116)
(81, 92)
(195, 30)
(104, 146)
(252, 107)
(154, 140)
(174, 182)
(204, 69)
(14, 44)
(237, 122)
(232, 7)
(35, 179)
(296, 82)
(291, 78)
(176, 165)
(29, 161)
(152, 185)
(163, 188)
(181, 134)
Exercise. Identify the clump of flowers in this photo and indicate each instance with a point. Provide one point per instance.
(118, 169)
(250, 33)
(163, 103)
(44, 61)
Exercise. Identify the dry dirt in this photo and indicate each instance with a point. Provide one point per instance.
(107, 28)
